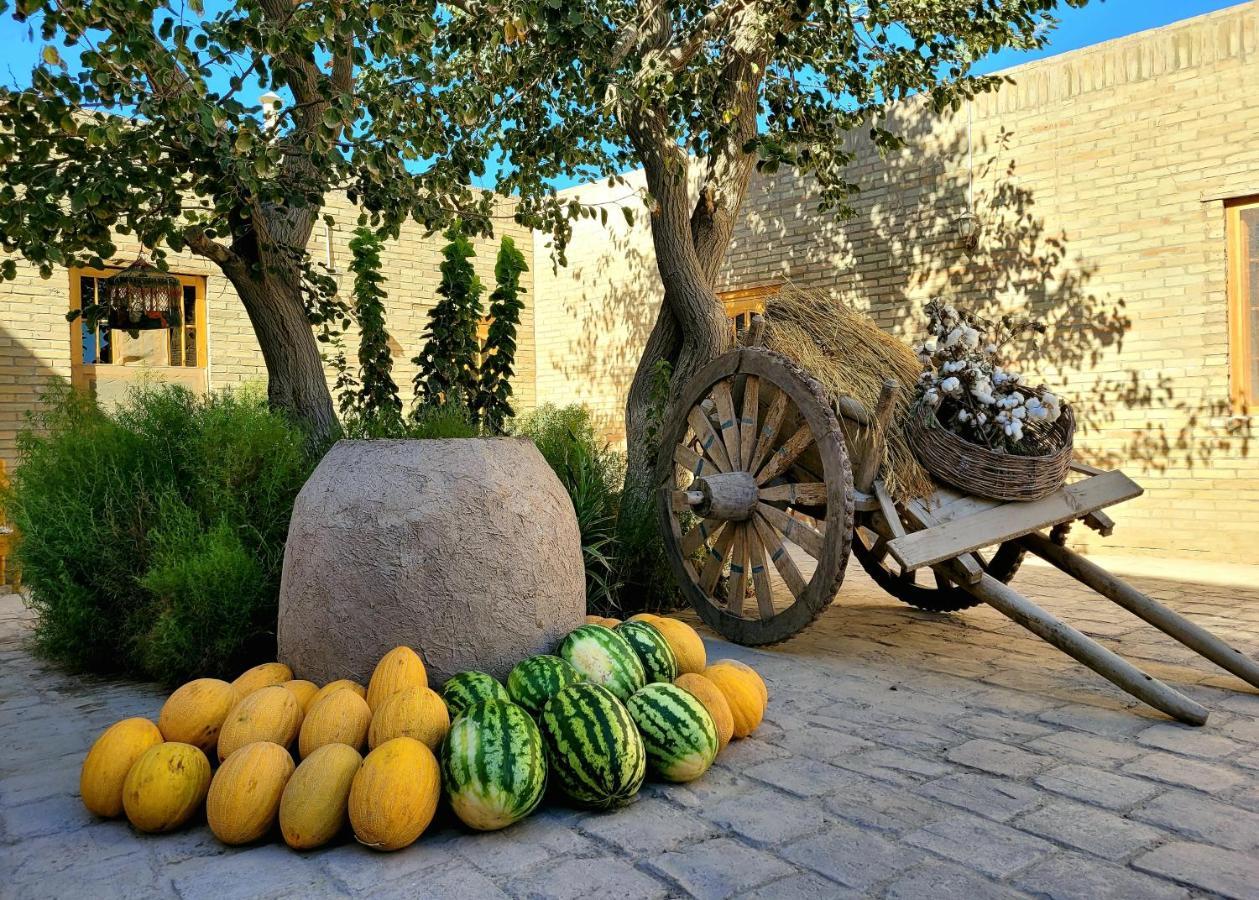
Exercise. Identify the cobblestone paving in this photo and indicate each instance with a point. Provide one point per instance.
(904, 755)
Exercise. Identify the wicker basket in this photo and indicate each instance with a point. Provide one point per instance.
(987, 473)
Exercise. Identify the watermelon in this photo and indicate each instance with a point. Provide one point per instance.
(596, 755)
(605, 658)
(652, 649)
(470, 688)
(539, 678)
(493, 765)
(678, 733)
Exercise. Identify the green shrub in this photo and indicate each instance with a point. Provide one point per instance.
(450, 420)
(153, 536)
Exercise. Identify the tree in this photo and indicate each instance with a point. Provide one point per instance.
(493, 404)
(376, 394)
(446, 366)
(702, 93)
(148, 127)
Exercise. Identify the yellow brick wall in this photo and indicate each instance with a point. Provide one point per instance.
(1099, 179)
(36, 342)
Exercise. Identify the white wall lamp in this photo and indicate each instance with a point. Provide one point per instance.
(271, 103)
(967, 223)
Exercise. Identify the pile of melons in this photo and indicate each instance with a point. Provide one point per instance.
(289, 752)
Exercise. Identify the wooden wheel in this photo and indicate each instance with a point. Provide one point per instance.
(927, 588)
(755, 496)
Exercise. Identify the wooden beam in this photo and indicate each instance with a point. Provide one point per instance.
(1195, 637)
(866, 469)
(1114, 669)
(1011, 520)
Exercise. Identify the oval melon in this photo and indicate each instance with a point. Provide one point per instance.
(313, 808)
(714, 701)
(537, 679)
(400, 668)
(339, 684)
(269, 714)
(753, 675)
(605, 658)
(196, 711)
(595, 753)
(394, 794)
(166, 787)
(304, 691)
(652, 649)
(106, 766)
(342, 717)
(746, 708)
(684, 640)
(467, 689)
(493, 765)
(245, 793)
(416, 712)
(265, 675)
(677, 731)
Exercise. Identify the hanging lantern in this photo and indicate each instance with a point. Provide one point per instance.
(141, 297)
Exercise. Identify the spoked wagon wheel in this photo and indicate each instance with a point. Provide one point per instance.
(926, 588)
(756, 505)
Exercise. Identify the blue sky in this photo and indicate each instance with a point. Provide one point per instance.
(1100, 20)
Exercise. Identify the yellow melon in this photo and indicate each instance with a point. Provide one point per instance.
(341, 717)
(270, 714)
(742, 694)
(106, 766)
(714, 701)
(400, 668)
(265, 675)
(752, 674)
(196, 711)
(394, 794)
(684, 641)
(166, 787)
(314, 806)
(339, 684)
(303, 690)
(245, 794)
(418, 713)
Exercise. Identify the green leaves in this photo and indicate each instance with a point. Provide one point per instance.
(493, 400)
(446, 367)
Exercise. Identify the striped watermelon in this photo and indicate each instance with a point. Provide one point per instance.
(494, 765)
(470, 688)
(595, 752)
(539, 678)
(605, 658)
(677, 731)
(652, 649)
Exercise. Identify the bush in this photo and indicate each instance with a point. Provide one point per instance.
(450, 420)
(153, 536)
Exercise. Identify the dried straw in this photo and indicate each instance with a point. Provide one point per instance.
(849, 354)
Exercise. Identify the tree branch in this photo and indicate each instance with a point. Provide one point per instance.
(703, 30)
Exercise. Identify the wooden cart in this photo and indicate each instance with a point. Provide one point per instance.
(783, 479)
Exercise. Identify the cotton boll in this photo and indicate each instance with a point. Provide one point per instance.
(953, 337)
(970, 338)
(930, 345)
(951, 385)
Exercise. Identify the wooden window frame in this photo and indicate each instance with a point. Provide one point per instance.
(1242, 387)
(83, 374)
(746, 302)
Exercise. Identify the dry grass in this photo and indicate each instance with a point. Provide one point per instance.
(849, 354)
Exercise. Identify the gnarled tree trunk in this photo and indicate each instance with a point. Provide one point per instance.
(296, 383)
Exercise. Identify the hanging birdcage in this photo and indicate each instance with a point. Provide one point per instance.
(141, 297)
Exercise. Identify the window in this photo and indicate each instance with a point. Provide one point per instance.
(744, 303)
(1242, 226)
(116, 355)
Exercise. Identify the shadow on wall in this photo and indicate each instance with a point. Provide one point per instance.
(25, 378)
(902, 247)
(616, 301)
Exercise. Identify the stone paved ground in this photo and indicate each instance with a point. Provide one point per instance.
(904, 755)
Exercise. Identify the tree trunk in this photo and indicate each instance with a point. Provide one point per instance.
(691, 328)
(296, 383)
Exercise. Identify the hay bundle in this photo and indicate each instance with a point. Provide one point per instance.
(849, 354)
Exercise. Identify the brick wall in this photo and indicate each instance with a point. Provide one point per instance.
(36, 342)
(1099, 178)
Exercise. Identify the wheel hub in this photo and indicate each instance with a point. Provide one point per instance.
(730, 495)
